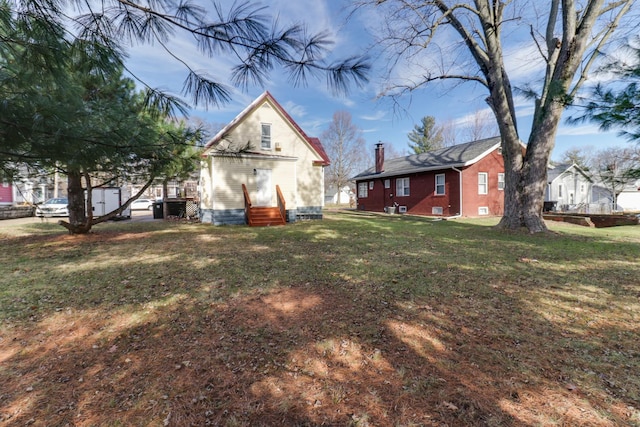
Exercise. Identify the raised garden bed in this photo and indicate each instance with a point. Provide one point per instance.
(597, 221)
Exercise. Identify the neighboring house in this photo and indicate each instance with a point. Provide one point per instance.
(260, 149)
(461, 180)
(629, 199)
(568, 186)
(571, 188)
(344, 197)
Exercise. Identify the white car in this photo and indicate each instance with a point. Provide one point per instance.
(142, 204)
(54, 207)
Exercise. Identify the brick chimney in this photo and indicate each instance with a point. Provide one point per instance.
(379, 157)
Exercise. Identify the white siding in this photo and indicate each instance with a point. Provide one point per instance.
(301, 182)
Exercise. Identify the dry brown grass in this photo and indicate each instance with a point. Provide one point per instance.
(354, 320)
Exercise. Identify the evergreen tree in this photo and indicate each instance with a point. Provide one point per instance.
(75, 112)
(618, 108)
(426, 136)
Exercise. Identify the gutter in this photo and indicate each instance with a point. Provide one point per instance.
(459, 215)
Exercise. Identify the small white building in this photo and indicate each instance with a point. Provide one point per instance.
(629, 199)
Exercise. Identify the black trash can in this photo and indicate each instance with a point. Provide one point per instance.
(158, 210)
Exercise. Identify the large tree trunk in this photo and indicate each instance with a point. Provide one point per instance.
(78, 221)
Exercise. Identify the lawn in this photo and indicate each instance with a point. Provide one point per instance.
(361, 320)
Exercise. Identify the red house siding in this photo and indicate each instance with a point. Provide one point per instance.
(422, 198)
(6, 193)
(492, 164)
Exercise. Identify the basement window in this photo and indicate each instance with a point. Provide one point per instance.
(483, 210)
(436, 210)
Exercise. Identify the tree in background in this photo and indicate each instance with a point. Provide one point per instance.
(578, 155)
(568, 35)
(426, 136)
(482, 124)
(615, 168)
(346, 149)
(618, 108)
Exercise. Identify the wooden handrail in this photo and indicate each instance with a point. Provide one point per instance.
(281, 204)
(247, 205)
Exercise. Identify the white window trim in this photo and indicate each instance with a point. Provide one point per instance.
(262, 136)
(483, 210)
(501, 181)
(370, 185)
(401, 187)
(363, 194)
(483, 186)
(443, 185)
(387, 183)
(437, 210)
(559, 191)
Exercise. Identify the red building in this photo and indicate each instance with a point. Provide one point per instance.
(461, 180)
(6, 193)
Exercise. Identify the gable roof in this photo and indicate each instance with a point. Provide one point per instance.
(314, 143)
(553, 172)
(460, 155)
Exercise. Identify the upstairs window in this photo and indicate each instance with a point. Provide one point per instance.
(500, 181)
(402, 187)
(265, 138)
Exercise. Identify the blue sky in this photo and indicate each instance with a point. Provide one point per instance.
(313, 106)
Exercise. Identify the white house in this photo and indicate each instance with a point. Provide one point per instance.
(262, 164)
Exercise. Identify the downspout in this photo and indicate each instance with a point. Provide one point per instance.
(459, 215)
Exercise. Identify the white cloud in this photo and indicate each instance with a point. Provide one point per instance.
(294, 109)
(579, 130)
(378, 115)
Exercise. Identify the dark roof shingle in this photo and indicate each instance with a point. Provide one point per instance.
(454, 156)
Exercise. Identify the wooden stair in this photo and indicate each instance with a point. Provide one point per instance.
(265, 216)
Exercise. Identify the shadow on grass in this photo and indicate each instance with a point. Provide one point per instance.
(320, 323)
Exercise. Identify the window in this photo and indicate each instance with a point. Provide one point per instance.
(5, 184)
(265, 139)
(370, 185)
(483, 210)
(436, 210)
(582, 188)
(482, 183)
(500, 181)
(402, 187)
(440, 184)
(363, 190)
(387, 183)
(559, 191)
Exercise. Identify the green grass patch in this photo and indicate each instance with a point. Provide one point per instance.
(358, 318)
